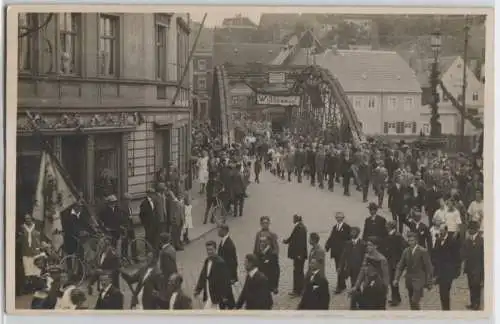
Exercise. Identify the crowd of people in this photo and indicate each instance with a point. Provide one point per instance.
(413, 183)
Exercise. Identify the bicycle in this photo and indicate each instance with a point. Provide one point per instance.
(218, 211)
(73, 266)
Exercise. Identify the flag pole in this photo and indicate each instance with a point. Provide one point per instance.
(48, 148)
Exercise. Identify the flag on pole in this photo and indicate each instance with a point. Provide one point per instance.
(53, 195)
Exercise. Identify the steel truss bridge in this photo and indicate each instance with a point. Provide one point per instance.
(324, 106)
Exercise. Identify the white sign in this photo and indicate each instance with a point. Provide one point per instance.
(276, 77)
(264, 99)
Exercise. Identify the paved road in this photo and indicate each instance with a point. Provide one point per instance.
(280, 199)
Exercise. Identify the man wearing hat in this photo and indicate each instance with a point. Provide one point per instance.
(162, 210)
(129, 228)
(375, 225)
(297, 251)
(110, 297)
(112, 218)
(473, 257)
(147, 214)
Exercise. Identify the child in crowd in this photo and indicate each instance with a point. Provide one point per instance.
(188, 218)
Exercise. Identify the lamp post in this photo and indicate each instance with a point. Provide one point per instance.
(434, 80)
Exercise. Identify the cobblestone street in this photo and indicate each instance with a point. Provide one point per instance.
(280, 200)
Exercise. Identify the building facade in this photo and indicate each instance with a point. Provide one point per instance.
(101, 88)
(202, 72)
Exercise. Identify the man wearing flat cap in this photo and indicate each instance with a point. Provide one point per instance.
(111, 218)
(151, 223)
(375, 225)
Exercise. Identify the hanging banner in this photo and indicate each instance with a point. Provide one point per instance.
(265, 99)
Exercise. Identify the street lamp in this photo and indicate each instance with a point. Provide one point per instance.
(434, 81)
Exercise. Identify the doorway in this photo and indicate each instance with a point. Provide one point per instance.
(73, 148)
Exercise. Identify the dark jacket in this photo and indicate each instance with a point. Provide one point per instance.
(297, 242)
(227, 252)
(423, 233)
(337, 240)
(300, 159)
(168, 260)
(392, 246)
(112, 300)
(256, 293)
(112, 219)
(396, 199)
(182, 301)
(269, 266)
(447, 259)
(352, 258)
(148, 285)
(331, 162)
(375, 227)
(473, 256)
(72, 226)
(316, 293)
(218, 281)
(148, 215)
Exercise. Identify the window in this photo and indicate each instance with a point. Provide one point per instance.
(426, 129)
(371, 102)
(393, 103)
(202, 65)
(25, 43)
(108, 45)
(235, 100)
(202, 83)
(475, 96)
(161, 52)
(357, 102)
(408, 104)
(182, 49)
(414, 127)
(400, 127)
(70, 25)
(386, 127)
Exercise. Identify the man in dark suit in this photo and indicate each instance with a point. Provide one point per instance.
(331, 167)
(129, 229)
(417, 263)
(110, 297)
(473, 257)
(112, 218)
(107, 261)
(146, 292)
(167, 257)
(396, 202)
(447, 257)
(346, 171)
(177, 299)
(297, 251)
(316, 294)
(161, 201)
(311, 164)
(317, 252)
(365, 175)
(149, 219)
(300, 161)
(423, 233)
(237, 189)
(352, 260)
(227, 251)
(256, 293)
(339, 236)
(76, 223)
(392, 247)
(375, 225)
(269, 264)
(431, 201)
(214, 281)
(391, 164)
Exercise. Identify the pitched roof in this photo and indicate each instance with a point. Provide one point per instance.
(206, 40)
(238, 20)
(366, 71)
(243, 53)
(423, 68)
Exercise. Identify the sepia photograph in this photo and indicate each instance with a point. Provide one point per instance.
(252, 158)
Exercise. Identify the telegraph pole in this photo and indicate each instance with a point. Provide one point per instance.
(464, 85)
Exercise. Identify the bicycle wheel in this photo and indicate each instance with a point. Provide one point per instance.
(219, 214)
(140, 251)
(75, 269)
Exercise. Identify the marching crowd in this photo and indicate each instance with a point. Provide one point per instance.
(416, 182)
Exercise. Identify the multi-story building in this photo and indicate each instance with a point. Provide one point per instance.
(101, 87)
(382, 88)
(202, 72)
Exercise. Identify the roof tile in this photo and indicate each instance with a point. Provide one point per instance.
(366, 71)
(244, 53)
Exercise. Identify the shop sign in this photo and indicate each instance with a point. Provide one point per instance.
(264, 99)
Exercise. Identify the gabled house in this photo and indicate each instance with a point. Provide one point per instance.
(382, 88)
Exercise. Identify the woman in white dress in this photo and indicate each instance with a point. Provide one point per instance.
(188, 218)
(203, 171)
